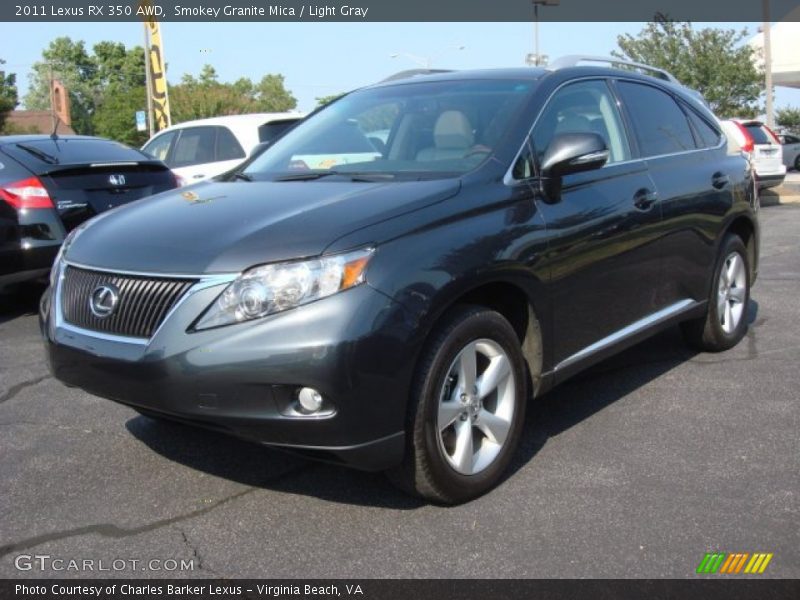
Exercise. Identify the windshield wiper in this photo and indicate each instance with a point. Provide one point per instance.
(41, 155)
(242, 176)
(306, 175)
(353, 176)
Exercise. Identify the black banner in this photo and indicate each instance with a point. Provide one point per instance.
(373, 589)
(406, 10)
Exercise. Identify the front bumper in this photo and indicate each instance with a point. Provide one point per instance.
(354, 347)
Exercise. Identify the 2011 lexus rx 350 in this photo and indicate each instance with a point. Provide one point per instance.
(390, 282)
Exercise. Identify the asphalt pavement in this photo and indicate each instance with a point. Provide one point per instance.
(635, 468)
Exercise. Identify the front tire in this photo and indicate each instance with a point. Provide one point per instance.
(725, 322)
(468, 408)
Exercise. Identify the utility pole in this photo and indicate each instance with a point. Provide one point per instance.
(768, 65)
(53, 115)
(148, 81)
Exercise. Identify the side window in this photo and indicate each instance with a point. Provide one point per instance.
(709, 136)
(661, 127)
(586, 106)
(523, 168)
(228, 147)
(194, 147)
(158, 147)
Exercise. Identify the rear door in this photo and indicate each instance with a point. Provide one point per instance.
(695, 178)
(87, 176)
(204, 151)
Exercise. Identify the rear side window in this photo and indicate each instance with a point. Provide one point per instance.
(709, 136)
(758, 133)
(228, 147)
(36, 153)
(158, 147)
(194, 147)
(660, 125)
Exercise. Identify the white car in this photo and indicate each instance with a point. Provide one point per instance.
(761, 145)
(791, 150)
(197, 150)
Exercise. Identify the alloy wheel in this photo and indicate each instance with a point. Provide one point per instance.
(476, 407)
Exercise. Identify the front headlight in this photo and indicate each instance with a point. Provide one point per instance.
(270, 289)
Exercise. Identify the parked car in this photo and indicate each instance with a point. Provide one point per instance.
(791, 150)
(198, 150)
(397, 313)
(762, 146)
(50, 185)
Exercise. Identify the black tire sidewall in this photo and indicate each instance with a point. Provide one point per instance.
(475, 325)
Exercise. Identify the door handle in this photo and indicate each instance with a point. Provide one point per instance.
(198, 176)
(644, 199)
(719, 180)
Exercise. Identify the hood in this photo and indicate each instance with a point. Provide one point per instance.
(220, 227)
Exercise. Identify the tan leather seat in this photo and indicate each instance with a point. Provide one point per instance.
(452, 136)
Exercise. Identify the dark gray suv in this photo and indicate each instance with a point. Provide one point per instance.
(391, 281)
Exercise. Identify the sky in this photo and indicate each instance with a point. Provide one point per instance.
(319, 59)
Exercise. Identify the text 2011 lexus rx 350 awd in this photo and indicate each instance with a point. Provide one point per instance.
(389, 283)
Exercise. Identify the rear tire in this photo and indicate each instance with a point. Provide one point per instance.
(467, 408)
(725, 321)
(797, 163)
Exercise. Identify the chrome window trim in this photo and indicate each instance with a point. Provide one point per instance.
(203, 282)
(630, 330)
(509, 179)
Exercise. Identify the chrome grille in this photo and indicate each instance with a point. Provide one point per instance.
(143, 301)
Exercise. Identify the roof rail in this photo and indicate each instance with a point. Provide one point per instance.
(574, 59)
(414, 73)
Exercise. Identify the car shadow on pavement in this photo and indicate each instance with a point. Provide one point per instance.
(23, 301)
(567, 405)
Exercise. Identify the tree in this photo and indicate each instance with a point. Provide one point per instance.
(205, 96)
(120, 91)
(323, 100)
(272, 95)
(8, 94)
(70, 63)
(788, 118)
(715, 62)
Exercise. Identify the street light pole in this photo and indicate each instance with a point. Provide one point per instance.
(768, 66)
(537, 59)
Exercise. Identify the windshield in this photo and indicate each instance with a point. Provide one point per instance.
(414, 131)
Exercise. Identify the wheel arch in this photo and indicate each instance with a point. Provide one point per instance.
(513, 301)
(744, 227)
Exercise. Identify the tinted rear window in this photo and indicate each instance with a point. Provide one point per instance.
(760, 136)
(269, 131)
(661, 127)
(73, 151)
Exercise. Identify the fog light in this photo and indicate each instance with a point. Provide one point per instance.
(310, 399)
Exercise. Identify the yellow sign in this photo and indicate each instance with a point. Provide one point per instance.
(158, 77)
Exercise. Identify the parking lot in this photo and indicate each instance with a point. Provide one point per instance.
(634, 469)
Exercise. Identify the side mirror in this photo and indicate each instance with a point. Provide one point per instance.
(574, 153)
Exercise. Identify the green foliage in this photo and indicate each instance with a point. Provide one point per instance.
(323, 100)
(205, 96)
(788, 118)
(715, 62)
(70, 63)
(108, 85)
(8, 94)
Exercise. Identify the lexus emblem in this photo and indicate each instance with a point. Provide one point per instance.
(103, 300)
(116, 179)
